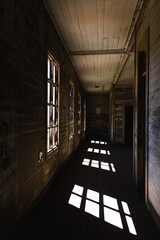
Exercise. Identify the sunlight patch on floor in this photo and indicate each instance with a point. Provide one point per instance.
(113, 217)
(110, 207)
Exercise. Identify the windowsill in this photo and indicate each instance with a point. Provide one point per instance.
(52, 153)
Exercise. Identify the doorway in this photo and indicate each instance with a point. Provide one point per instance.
(129, 126)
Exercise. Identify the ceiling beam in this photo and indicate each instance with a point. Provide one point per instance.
(97, 52)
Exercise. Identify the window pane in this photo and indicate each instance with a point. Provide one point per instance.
(79, 117)
(55, 95)
(79, 128)
(48, 112)
(48, 92)
(47, 139)
(51, 138)
(71, 130)
(48, 68)
(53, 73)
(71, 91)
(51, 115)
(55, 136)
(56, 76)
(71, 117)
(71, 104)
(51, 69)
(51, 94)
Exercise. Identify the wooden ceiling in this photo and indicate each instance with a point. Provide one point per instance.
(95, 34)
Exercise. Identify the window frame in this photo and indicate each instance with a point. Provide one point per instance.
(79, 113)
(71, 111)
(55, 84)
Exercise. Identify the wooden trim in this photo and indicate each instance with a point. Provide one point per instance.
(97, 52)
(147, 115)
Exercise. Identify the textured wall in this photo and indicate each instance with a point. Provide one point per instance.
(150, 19)
(27, 33)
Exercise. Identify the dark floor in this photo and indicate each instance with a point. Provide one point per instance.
(56, 219)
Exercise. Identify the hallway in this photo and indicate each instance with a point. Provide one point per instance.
(71, 210)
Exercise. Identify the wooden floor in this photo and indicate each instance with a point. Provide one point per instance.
(86, 201)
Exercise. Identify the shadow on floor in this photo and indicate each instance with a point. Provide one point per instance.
(92, 198)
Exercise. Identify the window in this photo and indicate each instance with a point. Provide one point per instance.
(52, 103)
(79, 113)
(71, 110)
(84, 115)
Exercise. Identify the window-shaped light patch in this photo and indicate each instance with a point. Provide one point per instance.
(112, 167)
(103, 151)
(105, 166)
(97, 142)
(113, 217)
(92, 195)
(96, 150)
(78, 190)
(108, 152)
(75, 200)
(92, 141)
(110, 202)
(125, 208)
(86, 162)
(90, 150)
(95, 164)
(105, 143)
(92, 208)
(131, 226)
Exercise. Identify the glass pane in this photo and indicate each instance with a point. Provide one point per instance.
(51, 138)
(79, 99)
(71, 104)
(56, 76)
(79, 128)
(55, 116)
(47, 139)
(51, 70)
(51, 123)
(71, 117)
(71, 130)
(51, 94)
(55, 136)
(71, 91)
(54, 73)
(54, 95)
(48, 92)
(48, 68)
(79, 117)
(48, 111)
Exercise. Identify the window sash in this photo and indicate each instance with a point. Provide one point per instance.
(71, 110)
(52, 103)
(79, 113)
